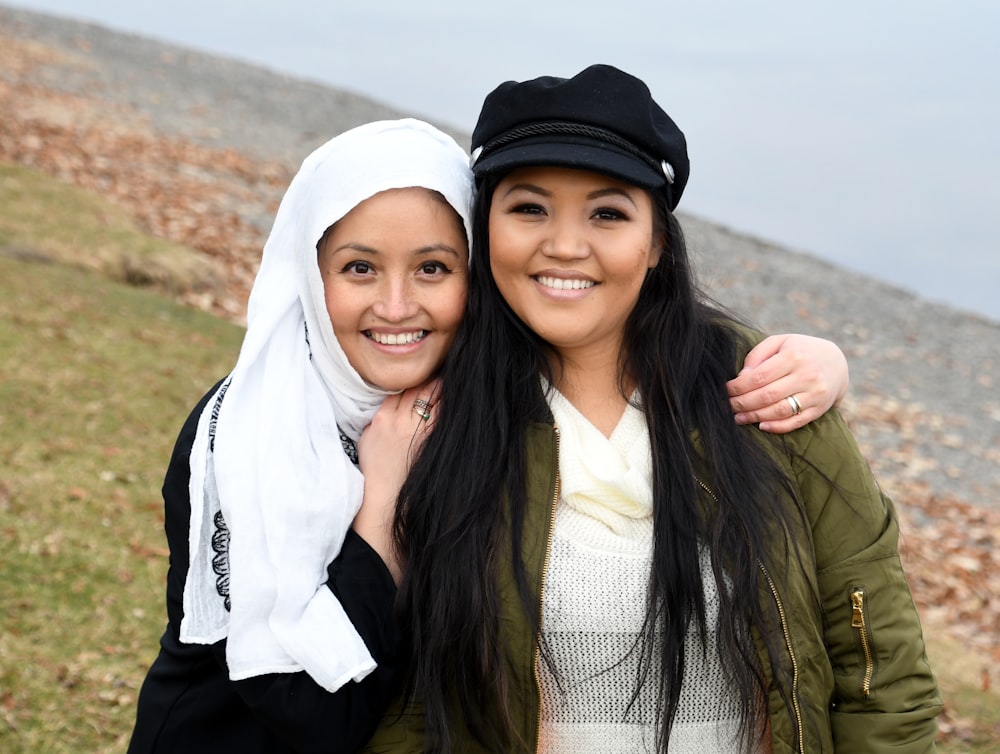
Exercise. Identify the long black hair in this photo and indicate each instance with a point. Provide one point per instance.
(461, 512)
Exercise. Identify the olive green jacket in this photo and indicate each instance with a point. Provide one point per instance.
(855, 659)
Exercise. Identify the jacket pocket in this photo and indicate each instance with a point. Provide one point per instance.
(861, 625)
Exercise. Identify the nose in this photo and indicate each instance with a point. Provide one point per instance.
(396, 301)
(566, 240)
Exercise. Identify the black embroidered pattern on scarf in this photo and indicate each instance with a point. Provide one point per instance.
(221, 536)
(350, 447)
(308, 344)
(214, 419)
(220, 562)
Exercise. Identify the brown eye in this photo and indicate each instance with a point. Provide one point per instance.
(609, 213)
(358, 267)
(433, 268)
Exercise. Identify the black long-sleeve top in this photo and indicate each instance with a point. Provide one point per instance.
(187, 702)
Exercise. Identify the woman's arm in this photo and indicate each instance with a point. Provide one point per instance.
(304, 715)
(363, 577)
(885, 696)
(811, 370)
(385, 452)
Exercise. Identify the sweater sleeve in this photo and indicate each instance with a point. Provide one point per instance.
(299, 711)
(885, 695)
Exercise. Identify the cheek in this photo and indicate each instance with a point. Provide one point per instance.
(341, 308)
(451, 306)
(506, 244)
(636, 265)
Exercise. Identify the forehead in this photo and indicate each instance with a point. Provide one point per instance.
(404, 219)
(393, 208)
(391, 201)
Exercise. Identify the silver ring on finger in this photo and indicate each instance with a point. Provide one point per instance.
(794, 403)
(422, 409)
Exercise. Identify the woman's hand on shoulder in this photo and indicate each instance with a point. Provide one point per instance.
(784, 372)
(386, 450)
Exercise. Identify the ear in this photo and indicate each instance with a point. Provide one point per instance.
(658, 250)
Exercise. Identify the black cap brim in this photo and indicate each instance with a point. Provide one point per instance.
(575, 152)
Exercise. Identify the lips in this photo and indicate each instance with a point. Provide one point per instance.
(564, 284)
(396, 338)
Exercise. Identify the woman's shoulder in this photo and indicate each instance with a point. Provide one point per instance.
(824, 440)
(178, 470)
(185, 438)
(833, 476)
(744, 336)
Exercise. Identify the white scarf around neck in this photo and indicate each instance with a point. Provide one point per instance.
(269, 456)
(607, 478)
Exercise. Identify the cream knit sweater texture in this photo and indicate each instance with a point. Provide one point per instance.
(596, 589)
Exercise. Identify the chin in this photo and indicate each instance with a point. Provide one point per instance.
(397, 382)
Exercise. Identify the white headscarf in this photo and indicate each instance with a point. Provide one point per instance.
(270, 456)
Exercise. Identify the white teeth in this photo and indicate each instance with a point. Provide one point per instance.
(396, 339)
(562, 284)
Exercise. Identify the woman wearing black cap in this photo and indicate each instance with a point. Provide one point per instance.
(597, 559)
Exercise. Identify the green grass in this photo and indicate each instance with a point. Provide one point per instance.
(44, 219)
(95, 380)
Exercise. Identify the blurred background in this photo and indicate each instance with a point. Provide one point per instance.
(138, 180)
(864, 133)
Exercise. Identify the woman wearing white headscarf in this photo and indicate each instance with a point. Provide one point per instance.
(260, 495)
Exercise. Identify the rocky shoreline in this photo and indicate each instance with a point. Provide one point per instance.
(201, 148)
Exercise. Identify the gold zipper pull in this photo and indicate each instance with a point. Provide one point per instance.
(858, 622)
(857, 609)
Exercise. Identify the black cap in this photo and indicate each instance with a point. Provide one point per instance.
(602, 119)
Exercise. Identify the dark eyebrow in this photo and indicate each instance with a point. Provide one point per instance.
(596, 194)
(611, 191)
(529, 187)
(351, 246)
(438, 247)
(422, 251)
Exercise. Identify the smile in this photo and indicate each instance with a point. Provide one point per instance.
(564, 284)
(396, 338)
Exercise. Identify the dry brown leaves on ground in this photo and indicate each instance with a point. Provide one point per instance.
(180, 191)
(953, 564)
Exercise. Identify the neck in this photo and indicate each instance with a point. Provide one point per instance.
(591, 383)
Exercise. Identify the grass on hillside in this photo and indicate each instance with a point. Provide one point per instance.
(95, 380)
(43, 219)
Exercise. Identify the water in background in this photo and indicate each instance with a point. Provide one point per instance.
(863, 133)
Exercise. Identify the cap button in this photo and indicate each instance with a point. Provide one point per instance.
(668, 171)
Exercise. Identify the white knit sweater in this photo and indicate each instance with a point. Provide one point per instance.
(595, 601)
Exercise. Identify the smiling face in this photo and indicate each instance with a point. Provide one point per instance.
(569, 250)
(395, 278)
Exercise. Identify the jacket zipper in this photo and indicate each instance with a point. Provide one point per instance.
(859, 623)
(541, 592)
(791, 652)
(786, 633)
